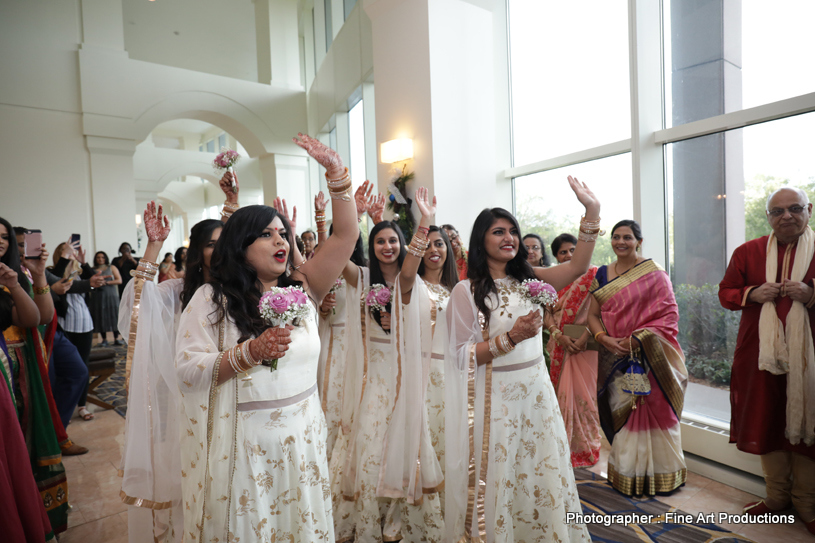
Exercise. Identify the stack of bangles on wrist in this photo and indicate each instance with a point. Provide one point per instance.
(240, 358)
(146, 270)
(501, 344)
(42, 290)
(338, 188)
(418, 244)
(319, 218)
(229, 209)
(556, 332)
(589, 230)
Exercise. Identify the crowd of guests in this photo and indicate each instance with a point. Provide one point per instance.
(423, 393)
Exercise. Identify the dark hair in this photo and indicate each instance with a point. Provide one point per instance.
(544, 260)
(449, 273)
(19, 230)
(200, 235)
(6, 308)
(478, 271)
(313, 235)
(123, 244)
(179, 255)
(300, 245)
(11, 258)
(449, 227)
(373, 266)
(560, 240)
(632, 224)
(166, 255)
(103, 253)
(358, 256)
(233, 279)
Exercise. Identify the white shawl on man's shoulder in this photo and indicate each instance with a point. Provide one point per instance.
(790, 351)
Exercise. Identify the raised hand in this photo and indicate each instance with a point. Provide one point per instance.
(283, 209)
(362, 197)
(156, 229)
(527, 326)
(98, 280)
(585, 195)
(226, 186)
(423, 202)
(37, 267)
(8, 277)
(320, 202)
(376, 208)
(271, 344)
(326, 156)
(80, 254)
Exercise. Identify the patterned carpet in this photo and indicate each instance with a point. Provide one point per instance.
(598, 498)
(113, 389)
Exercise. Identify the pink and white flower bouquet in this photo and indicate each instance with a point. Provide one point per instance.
(281, 306)
(539, 292)
(226, 160)
(378, 296)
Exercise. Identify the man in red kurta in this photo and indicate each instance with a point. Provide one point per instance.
(758, 398)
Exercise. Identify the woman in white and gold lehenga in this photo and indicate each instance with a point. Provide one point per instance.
(508, 476)
(253, 440)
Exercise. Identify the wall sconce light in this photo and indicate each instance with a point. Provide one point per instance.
(396, 151)
(138, 220)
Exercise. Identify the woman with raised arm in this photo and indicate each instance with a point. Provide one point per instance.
(416, 430)
(151, 458)
(508, 474)
(253, 459)
(368, 389)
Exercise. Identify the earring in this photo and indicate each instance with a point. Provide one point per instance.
(200, 268)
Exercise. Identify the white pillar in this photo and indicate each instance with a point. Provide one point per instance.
(278, 42)
(102, 24)
(439, 91)
(113, 193)
(287, 176)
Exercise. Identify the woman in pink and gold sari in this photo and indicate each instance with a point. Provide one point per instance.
(641, 369)
(574, 369)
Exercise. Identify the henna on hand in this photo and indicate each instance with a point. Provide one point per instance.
(326, 156)
(527, 326)
(156, 231)
(362, 197)
(272, 343)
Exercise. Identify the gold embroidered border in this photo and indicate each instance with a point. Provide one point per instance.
(662, 369)
(433, 489)
(141, 502)
(363, 328)
(646, 484)
(471, 497)
(138, 286)
(397, 316)
(327, 369)
(622, 281)
(485, 451)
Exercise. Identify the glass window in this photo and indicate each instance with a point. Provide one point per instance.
(348, 6)
(727, 56)
(569, 76)
(221, 141)
(314, 37)
(545, 204)
(329, 29)
(356, 137)
(201, 148)
(332, 138)
(717, 188)
(211, 146)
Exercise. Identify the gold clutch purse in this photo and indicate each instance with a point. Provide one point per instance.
(576, 331)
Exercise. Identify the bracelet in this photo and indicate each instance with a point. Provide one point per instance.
(500, 345)
(417, 246)
(511, 341)
(247, 354)
(147, 266)
(43, 290)
(589, 238)
(550, 328)
(556, 334)
(321, 229)
(493, 348)
(343, 177)
(424, 230)
(598, 334)
(319, 213)
(232, 360)
(591, 227)
(230, 206)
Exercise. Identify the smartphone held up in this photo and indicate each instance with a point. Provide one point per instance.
(33, 244)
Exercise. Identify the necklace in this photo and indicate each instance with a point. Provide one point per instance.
(618, 273)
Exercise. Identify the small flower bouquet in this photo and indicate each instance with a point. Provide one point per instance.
(337, 285)
(378, 297)
(226, 160)
(281, 306)
(538, 292)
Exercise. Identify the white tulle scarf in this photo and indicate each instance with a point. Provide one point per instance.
(790, 350)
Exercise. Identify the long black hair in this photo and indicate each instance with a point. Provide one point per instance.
(11, 258)
(200, 235)
(478, 271)
(376, 271)
(449, 273)
(358, 256)
(178, 259)
(544, 261)
(233, 279)
(103, 253)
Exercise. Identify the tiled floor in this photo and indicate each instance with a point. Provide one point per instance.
(99, 516)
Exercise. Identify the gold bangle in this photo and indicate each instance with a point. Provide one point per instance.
(343, 176)
(42, 290)
(598, 334)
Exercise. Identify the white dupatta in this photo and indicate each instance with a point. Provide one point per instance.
(409, 463)
(790, 351)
